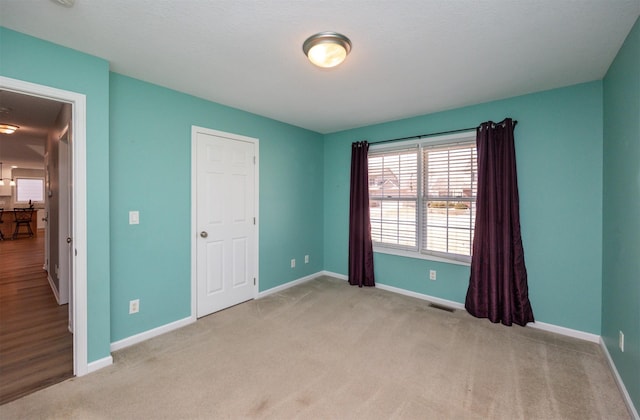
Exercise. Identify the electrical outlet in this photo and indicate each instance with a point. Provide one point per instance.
(134, 306)
(134, 217)
(432, 274)
(306, 259)
(293, 263)
(621, 341)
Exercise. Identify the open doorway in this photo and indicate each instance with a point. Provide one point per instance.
(51, 148)
(36, 343)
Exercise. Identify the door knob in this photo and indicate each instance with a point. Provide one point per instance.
(68, 240)
(204, 234)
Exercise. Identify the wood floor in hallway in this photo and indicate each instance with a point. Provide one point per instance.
(36, 347)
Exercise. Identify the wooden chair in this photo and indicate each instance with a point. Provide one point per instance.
(22, 218)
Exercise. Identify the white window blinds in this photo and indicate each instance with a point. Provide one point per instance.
(393, 195)
(448, 202)
(422, 197)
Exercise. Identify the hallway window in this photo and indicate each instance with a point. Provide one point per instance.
(29, 189)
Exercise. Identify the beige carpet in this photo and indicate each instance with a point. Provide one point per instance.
(326, 350)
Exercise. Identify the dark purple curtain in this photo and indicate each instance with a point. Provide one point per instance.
(498, 284)
(360, 246)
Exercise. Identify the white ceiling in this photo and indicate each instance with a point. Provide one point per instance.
(409, 57)
(35, 116)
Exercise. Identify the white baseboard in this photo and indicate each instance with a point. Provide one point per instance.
(433, 299)
(288, 285)
(143, 336)
(53, 288)
(538, 325)
(623, 389)
(456, 305)
(99, 364)
(565, 331)
(336, 275)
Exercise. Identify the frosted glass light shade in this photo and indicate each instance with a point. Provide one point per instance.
(8, 128)
(327, 49)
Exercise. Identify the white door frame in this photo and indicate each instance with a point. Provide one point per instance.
(79, 212)
(194, 228)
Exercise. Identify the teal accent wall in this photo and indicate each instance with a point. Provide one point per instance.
(150, 157)
(559, 162)
(33, 60)
(621, 212)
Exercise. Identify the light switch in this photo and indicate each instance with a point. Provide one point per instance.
(134, 217)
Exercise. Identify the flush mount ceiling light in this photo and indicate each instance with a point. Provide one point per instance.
(8, 128)
(327, 49)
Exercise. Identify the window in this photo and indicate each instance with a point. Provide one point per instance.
(30, 189)
(422, 196)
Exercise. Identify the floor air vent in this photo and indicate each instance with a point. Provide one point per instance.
(442, 308)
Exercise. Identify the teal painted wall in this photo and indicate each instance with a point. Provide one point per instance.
(150, 157)
(621, 212)
(581, 259)
(559, 158)
(33, 60)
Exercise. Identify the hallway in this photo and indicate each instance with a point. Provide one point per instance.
(36, 347)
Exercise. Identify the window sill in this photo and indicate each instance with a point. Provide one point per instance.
(417, 255)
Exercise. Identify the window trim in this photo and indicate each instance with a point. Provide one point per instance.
(461, 138)
(382, 249)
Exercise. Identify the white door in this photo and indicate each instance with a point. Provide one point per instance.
(65, 214)
(47, 203)
(226, 250)
(64, 220)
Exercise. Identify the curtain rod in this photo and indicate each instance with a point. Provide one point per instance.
(460, 130)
